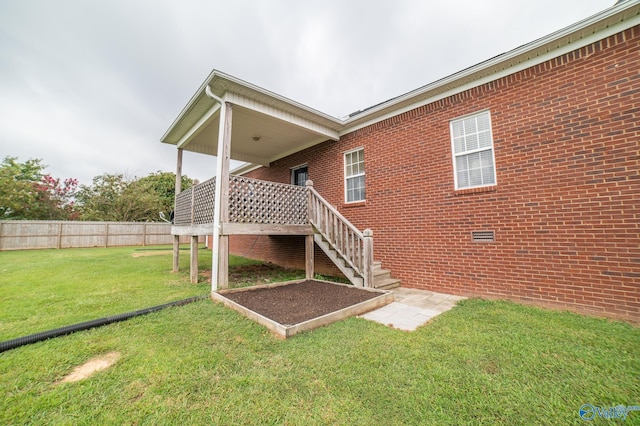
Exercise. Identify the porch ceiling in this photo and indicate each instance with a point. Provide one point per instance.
(265, 126)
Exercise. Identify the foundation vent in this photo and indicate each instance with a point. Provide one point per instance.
(483, 236)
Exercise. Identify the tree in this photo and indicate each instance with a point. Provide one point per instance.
(114, 197)
(163, 184)
(26, 192)
(56, 198)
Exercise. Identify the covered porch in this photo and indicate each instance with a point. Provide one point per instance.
(234, 120)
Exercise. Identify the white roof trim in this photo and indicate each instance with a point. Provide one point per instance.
(505, 64)
(245, 168)
(198, 126)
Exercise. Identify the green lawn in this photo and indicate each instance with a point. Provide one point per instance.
(480, 363)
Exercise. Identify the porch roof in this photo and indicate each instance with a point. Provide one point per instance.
(267, 126)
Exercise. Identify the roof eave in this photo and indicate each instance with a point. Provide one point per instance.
(221, 83)
(500, 65)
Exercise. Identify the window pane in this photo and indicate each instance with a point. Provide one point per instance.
(458, 145)
(474, 161)
(486, 158)
(463, 179)
(354, 163)
(470, 125)
(483, 122)
(472, 142)
(461, 163)
(458, 129)
(355, 189)
(488, 175)
(475, 177)
(484, 139)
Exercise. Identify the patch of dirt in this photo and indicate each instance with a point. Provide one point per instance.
(92, 366)
(295, 303)
(151, 253)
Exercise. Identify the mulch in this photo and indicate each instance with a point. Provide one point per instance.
(295, 303)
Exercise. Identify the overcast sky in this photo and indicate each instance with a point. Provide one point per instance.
(91, 86)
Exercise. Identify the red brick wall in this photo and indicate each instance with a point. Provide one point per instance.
(284, 250)
(565, 211)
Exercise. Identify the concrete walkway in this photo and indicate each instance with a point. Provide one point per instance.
(412, 308)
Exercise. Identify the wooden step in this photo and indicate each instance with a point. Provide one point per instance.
(386, 284)
(382, 278)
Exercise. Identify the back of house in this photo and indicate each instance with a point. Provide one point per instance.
(518, 178)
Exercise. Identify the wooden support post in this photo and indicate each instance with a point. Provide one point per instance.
(193, 264)
(368, 258)
(309, 265)
(176, 253)
(178, 189)
(220, 255)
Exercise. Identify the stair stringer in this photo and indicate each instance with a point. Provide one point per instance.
(338, 260)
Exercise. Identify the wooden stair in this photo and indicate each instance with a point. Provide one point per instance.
(381, 277)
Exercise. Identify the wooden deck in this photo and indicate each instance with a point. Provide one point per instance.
(257, 207)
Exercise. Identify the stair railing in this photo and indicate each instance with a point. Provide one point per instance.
(355, 247)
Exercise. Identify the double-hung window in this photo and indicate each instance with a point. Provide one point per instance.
(473, 158)
(354, 175)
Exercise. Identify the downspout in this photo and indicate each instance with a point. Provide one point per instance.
(218, 189)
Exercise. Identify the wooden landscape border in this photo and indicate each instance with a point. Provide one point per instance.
(285, 331)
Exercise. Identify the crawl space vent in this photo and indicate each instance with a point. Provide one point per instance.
(483, 236)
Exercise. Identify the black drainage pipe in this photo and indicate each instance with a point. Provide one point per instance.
(63, 331)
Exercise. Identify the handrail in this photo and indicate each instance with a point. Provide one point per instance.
(355, 247)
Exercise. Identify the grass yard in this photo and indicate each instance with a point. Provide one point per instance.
(480, 363)
(45, 289)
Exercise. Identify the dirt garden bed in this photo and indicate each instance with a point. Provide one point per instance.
(289, 308)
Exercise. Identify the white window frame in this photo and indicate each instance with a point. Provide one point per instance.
(352, 176)
(467, 152)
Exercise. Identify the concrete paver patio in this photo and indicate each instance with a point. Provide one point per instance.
(412, 308)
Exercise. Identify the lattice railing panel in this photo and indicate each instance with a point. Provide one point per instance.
(250, 201)
(204, 199)
(194, 206)
(182, 211)
(259, 201)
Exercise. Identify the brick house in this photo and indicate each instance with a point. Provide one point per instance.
(517, 178)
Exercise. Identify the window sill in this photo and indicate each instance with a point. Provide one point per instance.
(479, 190)
(354, 204)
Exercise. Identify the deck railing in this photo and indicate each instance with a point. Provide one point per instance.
(194, 206)
(355, 247)
(250, 201)
(260, 201)
(263, 202)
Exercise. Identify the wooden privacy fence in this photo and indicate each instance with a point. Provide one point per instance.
(40, 234)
